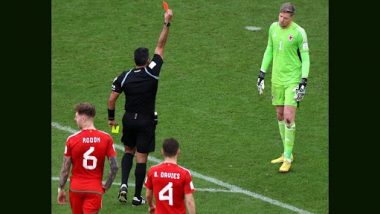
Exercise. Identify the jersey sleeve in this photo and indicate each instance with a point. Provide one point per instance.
(111, 152)
(155, 65)
(189, 187)
(67, 151)
(268, 54)
(304, 51)
(148, 180)
(117, 83)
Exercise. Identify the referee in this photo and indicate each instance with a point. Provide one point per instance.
(139, 85)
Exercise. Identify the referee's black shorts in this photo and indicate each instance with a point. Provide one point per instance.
(139, 131)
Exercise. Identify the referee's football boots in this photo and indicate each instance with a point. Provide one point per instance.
(138, 201)
(123, 193)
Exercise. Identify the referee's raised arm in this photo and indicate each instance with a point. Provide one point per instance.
(164, 33)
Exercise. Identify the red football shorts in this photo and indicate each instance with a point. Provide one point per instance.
(85, 203)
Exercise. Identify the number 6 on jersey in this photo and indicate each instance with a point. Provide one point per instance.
(87, 157)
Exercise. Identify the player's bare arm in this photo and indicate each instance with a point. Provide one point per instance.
(64, 171)
(61, 198)
(164, 34)
(149, 198)
(112, 174)
(190, 204)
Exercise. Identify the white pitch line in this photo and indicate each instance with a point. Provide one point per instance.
(231, 187)
(252, 28)
(197, 189)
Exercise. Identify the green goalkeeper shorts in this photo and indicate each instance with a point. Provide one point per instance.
(284, 95)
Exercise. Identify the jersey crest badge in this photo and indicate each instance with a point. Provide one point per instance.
(290, 37)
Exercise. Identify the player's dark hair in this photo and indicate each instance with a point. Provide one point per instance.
(86, 109)
(141, 56)
(170, 147)
(288, 8)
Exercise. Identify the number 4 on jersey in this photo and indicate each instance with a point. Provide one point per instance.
(168, 188)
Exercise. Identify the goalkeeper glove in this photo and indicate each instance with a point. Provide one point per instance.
(260, 82)
(300, 90)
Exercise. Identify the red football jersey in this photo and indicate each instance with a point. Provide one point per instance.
(169, 182)
(88, 149)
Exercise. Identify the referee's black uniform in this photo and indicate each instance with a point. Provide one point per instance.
(140, 88)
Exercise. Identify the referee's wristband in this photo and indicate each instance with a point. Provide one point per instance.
(111, 114)
(167, 24)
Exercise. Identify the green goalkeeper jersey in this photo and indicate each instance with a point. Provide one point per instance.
(288, 48)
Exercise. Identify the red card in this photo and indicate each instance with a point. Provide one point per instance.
(165, 5)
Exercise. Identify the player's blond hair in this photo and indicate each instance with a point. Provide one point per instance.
(288, 8)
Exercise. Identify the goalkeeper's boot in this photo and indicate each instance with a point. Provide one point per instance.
(123, 193)
(285, 167)
(280, 159)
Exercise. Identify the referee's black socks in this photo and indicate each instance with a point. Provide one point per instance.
(126, 165)
(140, 172)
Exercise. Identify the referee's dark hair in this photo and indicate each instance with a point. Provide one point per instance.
(141, 56)
(170, 147)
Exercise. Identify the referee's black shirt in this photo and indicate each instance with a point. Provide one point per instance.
(140, 86)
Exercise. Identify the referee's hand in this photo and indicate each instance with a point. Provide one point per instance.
(112, 123)
(168, 15)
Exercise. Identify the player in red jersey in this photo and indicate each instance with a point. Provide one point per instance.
(170, 184)
(86, 151)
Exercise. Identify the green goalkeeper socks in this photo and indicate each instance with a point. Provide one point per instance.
(290, 133)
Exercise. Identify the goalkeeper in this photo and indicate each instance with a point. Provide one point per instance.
(288, 49)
